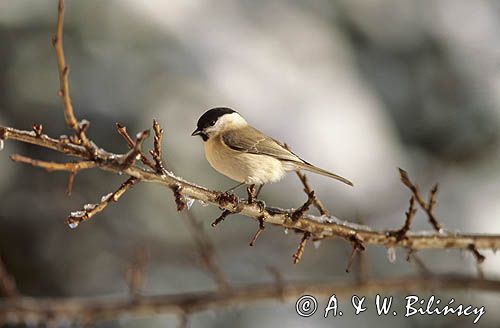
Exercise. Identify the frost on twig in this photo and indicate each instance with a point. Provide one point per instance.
(89, 210)
(90, 155)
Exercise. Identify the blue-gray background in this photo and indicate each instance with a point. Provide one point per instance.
(357, 87)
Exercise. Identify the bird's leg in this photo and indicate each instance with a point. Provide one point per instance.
(252, 197)
(258, 190)
(235, 187)
(251, 193)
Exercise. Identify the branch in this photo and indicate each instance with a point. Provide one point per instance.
(298, 220)
(89, 210)
(319, 227)
(426, 206)
(53, 166)
(71, 121)
(107, 308)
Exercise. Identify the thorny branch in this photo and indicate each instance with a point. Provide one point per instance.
(89, 155)
(319, 227)
(426, 206)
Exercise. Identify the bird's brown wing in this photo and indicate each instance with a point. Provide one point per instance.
(251, 140)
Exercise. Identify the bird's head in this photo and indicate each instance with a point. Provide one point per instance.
(217, 120)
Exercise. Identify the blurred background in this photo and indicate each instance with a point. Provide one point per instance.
(357, 87)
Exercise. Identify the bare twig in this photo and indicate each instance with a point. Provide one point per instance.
(258, 232)
(357, 246)
(297, 256)
(221, 218)
(319, 227)
(479, 259)
(38, 129)
(298, 213)
(308, 190)
(64, 93)
(134, 153)
(53, 166)
(410, 214)
(427, 207)
(298, 220)
(156, 151)
(89, 210)
(122, 130)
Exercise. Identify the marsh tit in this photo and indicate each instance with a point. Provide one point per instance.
(243, 153)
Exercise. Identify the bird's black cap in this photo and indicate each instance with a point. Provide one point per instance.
(212, 115)
(208, 119)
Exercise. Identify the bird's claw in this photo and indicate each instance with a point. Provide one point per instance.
(260, 203)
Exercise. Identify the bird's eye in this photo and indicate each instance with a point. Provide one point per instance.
(212, 123)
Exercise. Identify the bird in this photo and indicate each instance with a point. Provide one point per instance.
(239, 151)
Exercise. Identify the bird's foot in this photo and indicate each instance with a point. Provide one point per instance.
(252, 197)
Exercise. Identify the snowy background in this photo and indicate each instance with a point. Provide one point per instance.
(373, 85)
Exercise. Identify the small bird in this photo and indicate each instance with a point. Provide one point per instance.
(244, 154)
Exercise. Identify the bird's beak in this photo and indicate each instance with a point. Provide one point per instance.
(196, 132)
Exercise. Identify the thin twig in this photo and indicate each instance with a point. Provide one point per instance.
(64, 93)
(258, 232)
(307, 189)
(156, 151)
(410, 214)
(357, 246)
(298, 213)
(427, 207)
(122, 130)
(53, 166)
(221, 217)
(89, 210)
(297, 256)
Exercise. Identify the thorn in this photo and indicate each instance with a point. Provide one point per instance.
(351, 259)
(479, 257)
(221, 218)
(181, 205)
(259, 231)
(298, 213)
(357, 245)
(38, 129)
(300, 251)
(71, 179)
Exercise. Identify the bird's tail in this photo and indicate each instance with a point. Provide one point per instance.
(315, 169)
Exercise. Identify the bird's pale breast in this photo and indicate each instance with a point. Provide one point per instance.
(240, 166)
